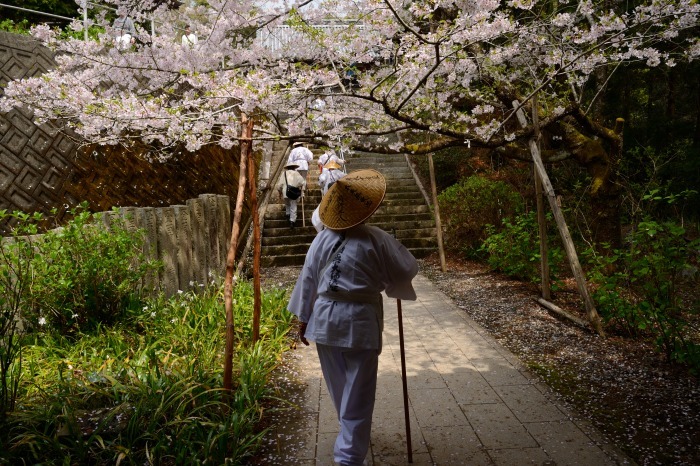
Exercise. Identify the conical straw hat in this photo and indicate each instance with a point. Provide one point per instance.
(332, 165)
(352, 199)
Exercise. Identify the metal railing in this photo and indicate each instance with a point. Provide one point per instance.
(84, 7)
(274, 39)
(27, 10)
(278, 38)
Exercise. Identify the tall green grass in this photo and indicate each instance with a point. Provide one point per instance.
(148, 391)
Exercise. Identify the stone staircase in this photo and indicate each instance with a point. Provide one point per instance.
(404, 212)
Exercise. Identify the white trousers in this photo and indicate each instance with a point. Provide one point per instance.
(123, 42)
(290, 208)
(316, 221)
(351, 378)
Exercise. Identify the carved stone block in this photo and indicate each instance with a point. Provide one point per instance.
(184, 246)
(167, 250)
(200, 241)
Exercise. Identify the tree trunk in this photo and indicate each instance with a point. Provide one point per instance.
(256, 233)
(231, 262)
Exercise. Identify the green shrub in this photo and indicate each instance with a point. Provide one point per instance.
(148, 391)
(86, 274)
(637, 288)
(76, 277)
(20, 27)
(16, 255)
(515, 249)
(450, 165)
(469, 206)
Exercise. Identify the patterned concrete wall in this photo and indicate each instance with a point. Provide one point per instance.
(41, 168)
(35, 161)
(190, 240)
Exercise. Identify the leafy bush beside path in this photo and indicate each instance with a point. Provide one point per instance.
(148, 391)
(93, 373)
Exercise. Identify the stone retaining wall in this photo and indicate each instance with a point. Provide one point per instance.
(191, 240)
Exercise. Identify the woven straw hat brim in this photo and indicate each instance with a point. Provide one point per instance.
(352, 199)
(332, 165)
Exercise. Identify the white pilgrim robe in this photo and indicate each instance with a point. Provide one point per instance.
(330, 156)
(300, 156)
(338, 292)
(327, 178)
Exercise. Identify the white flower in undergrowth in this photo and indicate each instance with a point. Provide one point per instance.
(42, 321)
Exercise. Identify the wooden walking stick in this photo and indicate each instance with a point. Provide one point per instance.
(405, 385)
(303, 214)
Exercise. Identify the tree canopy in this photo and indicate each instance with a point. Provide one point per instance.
(413, 76)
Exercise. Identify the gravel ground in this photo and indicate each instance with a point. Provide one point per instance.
(649, 408)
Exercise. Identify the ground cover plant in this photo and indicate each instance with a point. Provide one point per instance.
(143, 389)
(147, 391)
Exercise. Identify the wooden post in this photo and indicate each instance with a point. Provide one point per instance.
(574, 263)
(541, 218)
(404, 384)
(542, 224)
(230, 263)
(85, 20)
(436, 207)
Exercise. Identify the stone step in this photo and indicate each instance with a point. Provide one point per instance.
(394, 218)
(298, 259)
(282, 261)
(373, 157)
(403, 212)
(353, 162)
(404, 222)
(285, 249)
(281, 234)
(418, 243)
(379, 165)
(313, 196)
(387, 208)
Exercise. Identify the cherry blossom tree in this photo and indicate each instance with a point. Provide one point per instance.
(386, 75)
(450, 69)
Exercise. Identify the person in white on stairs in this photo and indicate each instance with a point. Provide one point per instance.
(337, 299)
(330, 175)
(290, 177)
(302, 157)
(328, 156)
(124, 31)
(189, 38)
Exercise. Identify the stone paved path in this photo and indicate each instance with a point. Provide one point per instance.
(471, 401)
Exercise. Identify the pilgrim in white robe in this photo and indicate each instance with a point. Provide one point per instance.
(338, 294)
(327, 178)
(302, 157)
